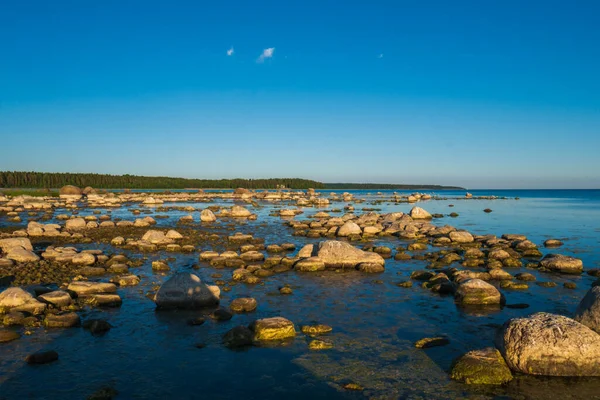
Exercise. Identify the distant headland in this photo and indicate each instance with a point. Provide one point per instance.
(37, 180)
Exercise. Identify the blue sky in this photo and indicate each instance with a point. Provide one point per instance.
(488, 94)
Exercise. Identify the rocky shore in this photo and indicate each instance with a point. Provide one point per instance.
(62, 257)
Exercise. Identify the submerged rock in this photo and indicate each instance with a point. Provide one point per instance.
(238, 337)
(481, 367)
(549, 344)
(185, 290)
(42, 357)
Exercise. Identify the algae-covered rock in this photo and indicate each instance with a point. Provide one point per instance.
(481, 367)
(275, 328)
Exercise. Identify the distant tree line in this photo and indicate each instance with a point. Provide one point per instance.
(375, 186)
(20, 179)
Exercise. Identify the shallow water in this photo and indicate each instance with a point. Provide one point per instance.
(153, 355)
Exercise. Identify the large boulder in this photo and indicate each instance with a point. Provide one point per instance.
(588, 312)
(185, 290)
(549, 344)
(562, 264)
(70, 190)
(341, 254)
(348, 229)
(419, 213)
(478, 292)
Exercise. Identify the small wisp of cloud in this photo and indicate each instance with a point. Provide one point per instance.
(267, 53)
(380, 55)
(230, 51)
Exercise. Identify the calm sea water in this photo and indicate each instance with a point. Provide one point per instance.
(153, 355)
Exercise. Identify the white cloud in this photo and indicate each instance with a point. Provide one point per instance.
(267, 53)
(380, 56)
(230, 51)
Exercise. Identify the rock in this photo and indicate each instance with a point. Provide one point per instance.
(481, 367)
(553, 243)
(348, 229)
(419, 213)
(240, 212)
(478, 292)
(7, 244)
(118, 241)
(285, 290)
(306, 251)
(105, 393)
(172, 234)
(21, 255)
(8, 336)
(275, 328)
(315, 330)
(160, 266)
(221, 315)
(525, 276)
(57, 298)
(70, 190)
(243, 304)
(75, 224)
(105, 300)
(426, 343)
(42, 357)
(240, 336)
(196, 321)
(562, 264)
(97, 326)
(207, 216)
(370, 268)
(83, 259)
(84, 288)
(156, 237)
(461, 237)
(341, 254)
(66, 320)
(14, 297)
(549, 344)
(320, 345)
(126, 280)
(186, 290)
(588, 311)
(310, 264)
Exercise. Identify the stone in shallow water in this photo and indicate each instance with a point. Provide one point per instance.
(588, 311)
(186, 290)
(320, 345)
(478, 292)
(8, 336)
(549, 344)
(42, 357)
(66, 320)
(243, 304)
(426, 343)
(275, 328)
(240, 336)
(314, 330)
(481, 367)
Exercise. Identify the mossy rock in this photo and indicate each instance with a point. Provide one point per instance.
(481, 367)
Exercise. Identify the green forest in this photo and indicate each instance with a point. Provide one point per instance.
(55, 180)
(51, 180)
